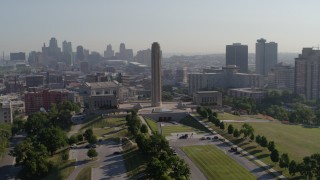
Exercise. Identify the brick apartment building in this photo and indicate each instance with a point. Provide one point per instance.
(43, 99)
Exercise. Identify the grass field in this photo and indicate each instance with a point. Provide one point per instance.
(215, 164)
(189, 121)
(296, 140)
(168, 129)
(228, 116)
(152, 124)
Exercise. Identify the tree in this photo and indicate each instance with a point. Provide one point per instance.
(271, 146)
(246, 130)
(88, 134)
(179, 169)
(221, 125)
(167, 96)
(92, 153)
(144, 129)
(72, 140)
(252, 137)
(93, 139)
(305, 168)
(292, 168)
(32, 157)
(156, 168)
(236, 133)
(274, 156)
(217, 122)
(230, 129)
(284, 161)
(53, 138)
(264, 141)
(36, 122)
(258, 139)
(80, 137)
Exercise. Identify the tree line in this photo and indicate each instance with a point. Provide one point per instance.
(163, 164)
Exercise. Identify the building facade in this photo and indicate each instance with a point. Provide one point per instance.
(281, 77)
(252, 93)
(6, 112)
(307, 74)
(266, 56)
(34, 80)
(237, 54)
(207, 98)
(34, 101)
(227, 77)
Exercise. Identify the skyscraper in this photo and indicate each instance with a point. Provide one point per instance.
(237, 54)
(307, 70)
(108, 52)
(156, 75)
(80, 53)
(266, 56)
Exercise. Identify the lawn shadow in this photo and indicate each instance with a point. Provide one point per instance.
(249, 148)
(261, 156)
(256, 151)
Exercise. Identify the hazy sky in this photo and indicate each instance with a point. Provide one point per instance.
(180, 26)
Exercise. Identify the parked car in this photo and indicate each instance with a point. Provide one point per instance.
(215, 137)
(73, 146)
(203, 138)
(208, 138)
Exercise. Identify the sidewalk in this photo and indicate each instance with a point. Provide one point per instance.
(243, 152)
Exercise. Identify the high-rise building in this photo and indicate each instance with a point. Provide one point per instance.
(80, 53)
(53, 49)
(109, 52)
(266, 56)
(237, 54)
(156, 75)
(281, 77)
(182, 75)
(307, 69)
(143, 57)
(124, 54)
(66, 47)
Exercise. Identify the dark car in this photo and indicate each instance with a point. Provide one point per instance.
(116, 152)
(215, 137)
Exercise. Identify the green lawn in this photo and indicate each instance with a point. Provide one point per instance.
(295, 140)
(152, 124)
(215, 164)
(228, 116)
(168, 129)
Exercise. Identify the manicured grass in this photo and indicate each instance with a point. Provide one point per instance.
(84, 174)
(215, 164)
(189, 121)
(152, 124)
(168, 129)
(228, 116)
(295, 140)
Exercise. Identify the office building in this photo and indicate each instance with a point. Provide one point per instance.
(108, 53)
(156, 75)
(251, 93)
(182, 75)
(18, 56)
(144, 56)
(80, 54)
(6, 112)
(34, 80)
(266, 56)
(237, 54)
(307, 70)
(281, 77)
(227, 77)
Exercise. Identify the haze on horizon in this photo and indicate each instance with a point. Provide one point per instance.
(180, 26)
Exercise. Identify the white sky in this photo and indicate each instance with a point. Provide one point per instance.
(180, 26)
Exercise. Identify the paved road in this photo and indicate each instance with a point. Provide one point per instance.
(247, 120)
(7, 168)
(259, 172)
(109, 166)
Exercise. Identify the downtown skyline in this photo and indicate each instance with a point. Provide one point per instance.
(182, 27)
